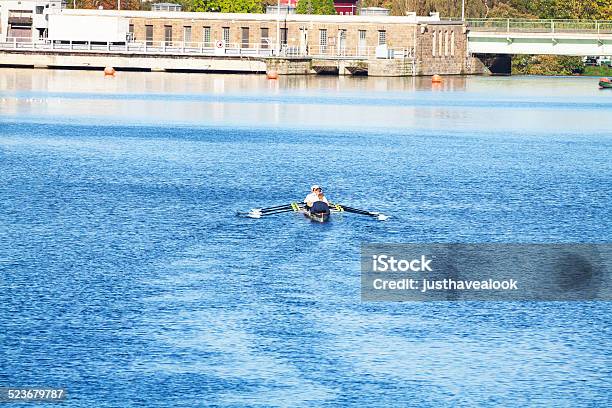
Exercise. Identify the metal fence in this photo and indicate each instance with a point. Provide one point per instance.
(334, 51)
(216, 48)
(540, 26)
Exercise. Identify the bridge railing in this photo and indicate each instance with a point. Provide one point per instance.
(540, 26)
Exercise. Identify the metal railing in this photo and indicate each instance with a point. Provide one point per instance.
(141, 47)
(334, 51)
(504, 25)
(216, 48)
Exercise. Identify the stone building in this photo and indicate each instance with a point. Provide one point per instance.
(437, 46)
(385, 45)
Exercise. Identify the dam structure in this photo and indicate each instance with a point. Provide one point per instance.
(44, 34)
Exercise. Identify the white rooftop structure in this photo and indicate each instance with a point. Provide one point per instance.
(166, 7)
(374, 11)
(26, 20)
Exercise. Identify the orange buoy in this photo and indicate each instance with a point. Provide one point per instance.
(272, 75)
(436, 79)
(109, 71)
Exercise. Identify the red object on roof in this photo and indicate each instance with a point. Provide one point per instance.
(346, 7)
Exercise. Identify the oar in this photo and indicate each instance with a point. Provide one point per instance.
(254, 214)
(268, 209)
(260, 212)
(374, 214)
(277, 207)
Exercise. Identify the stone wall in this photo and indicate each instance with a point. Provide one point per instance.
(447, 57)
(441, 49)
(288, 66)
(390, 67)
(299, 34)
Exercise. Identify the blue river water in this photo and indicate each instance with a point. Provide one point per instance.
(127, 278)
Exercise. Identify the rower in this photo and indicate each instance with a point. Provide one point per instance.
(321, 205)
(316, 202)
(312, 197)
(316, 194)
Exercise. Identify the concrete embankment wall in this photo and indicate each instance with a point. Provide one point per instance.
(131, 61)
(282, 66)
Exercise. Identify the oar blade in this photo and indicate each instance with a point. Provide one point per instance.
(374, 214)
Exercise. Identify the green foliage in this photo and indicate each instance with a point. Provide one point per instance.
(600, 71)
(503, 10)
(571, 9)
(585, 9)
(564, 9)
(105, 4)
(315, 7)
(228, 6)
(546, 65)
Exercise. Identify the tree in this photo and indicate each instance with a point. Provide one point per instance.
(503, 10)
(106, 4)
(546, 65)
(315, 7)
(228, 6)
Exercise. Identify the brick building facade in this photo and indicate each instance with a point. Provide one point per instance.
(439, 45)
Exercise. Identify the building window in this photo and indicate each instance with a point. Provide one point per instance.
(245, 37)
(323, 40)
(382, 37)
(362, 45)
(149, 34)
(168, 35)
(187, 34)
(283, 38)
(206, 37)
(434, 42)
(452, 44)
(446, 43)
(40, 9)
(131, 32)
(226, 36)
(341, 42)
(440, 40)
(265, 37)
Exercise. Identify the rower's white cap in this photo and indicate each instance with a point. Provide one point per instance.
(314, 187)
